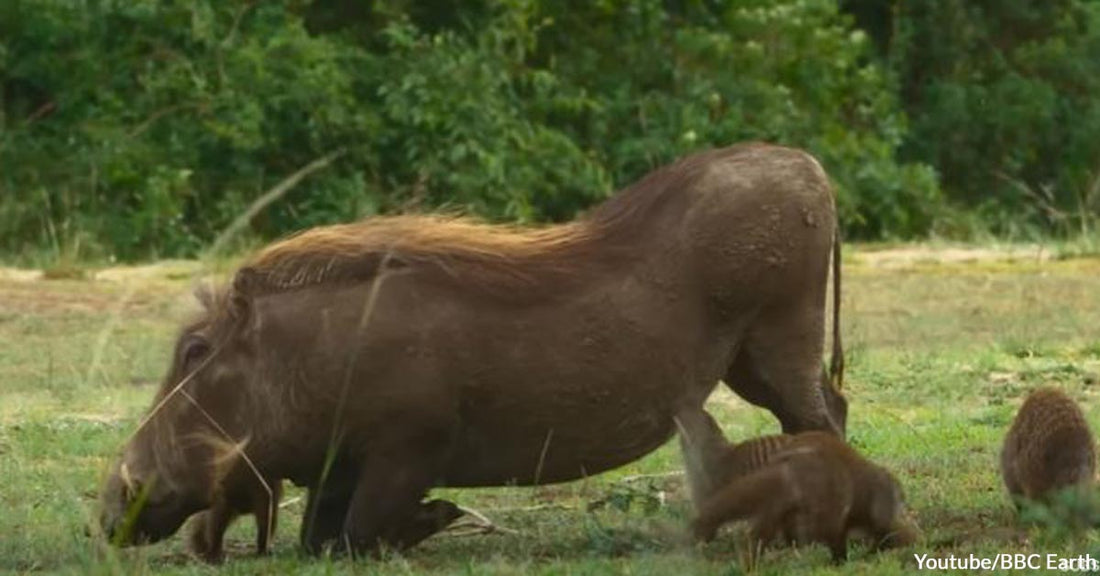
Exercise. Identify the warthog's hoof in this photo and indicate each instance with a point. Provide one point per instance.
(198, 541)
(430, 517)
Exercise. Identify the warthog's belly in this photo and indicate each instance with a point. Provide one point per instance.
(555, 442)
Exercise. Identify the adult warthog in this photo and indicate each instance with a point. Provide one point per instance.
(376, 360)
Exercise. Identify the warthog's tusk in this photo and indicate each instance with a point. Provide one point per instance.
(127, 480)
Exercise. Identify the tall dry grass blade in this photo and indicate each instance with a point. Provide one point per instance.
(269, 198)
(337, 423)
(481, 525)
(183, 382)
(290, 502)
(361, 330)
(655, 476)
(109, 327)
(542, 455)
(258, 205)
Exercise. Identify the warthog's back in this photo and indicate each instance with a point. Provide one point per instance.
(1049, 446)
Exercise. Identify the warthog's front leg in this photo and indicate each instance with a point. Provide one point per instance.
(385, 507)
(208, 531)
(330, 518)
(326, 510)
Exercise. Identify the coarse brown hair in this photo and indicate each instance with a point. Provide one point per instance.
(506, 261)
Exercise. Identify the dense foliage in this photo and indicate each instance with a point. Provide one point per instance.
(141, 128)
(1004, 97)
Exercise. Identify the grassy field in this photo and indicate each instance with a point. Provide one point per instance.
(941, 350)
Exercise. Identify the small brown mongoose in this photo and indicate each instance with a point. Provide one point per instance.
(712, 461)
(1048, 448)
(810, 487)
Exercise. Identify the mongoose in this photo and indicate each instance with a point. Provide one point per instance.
(810, 487)
(208, 528)
(1048, 448)
(712, 461)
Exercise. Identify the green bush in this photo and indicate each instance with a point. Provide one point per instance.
(164, 119)
(142, 128)
(664, 82)
(1002, 96)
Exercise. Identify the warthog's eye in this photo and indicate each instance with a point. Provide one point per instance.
(193, 350)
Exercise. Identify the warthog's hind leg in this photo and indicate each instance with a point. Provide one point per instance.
(778, 367)
(208, 531)
(385, 510)
(430, 517)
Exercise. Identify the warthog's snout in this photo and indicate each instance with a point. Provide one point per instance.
(136, 512)
(142, 523)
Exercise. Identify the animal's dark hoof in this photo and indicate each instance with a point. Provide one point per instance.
(429, 517)
(439, 512)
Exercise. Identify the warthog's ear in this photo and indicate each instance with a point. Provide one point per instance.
(204, 293)
(240, 295)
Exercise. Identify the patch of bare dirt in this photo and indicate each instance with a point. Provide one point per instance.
(909, 256)
(164, 270)
(24, 291)
(19, 275)
(36, 297)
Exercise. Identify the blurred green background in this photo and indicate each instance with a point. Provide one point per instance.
(136, 129)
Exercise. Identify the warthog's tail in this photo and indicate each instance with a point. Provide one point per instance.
(836, 363)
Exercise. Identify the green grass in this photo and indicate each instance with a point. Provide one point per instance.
(940, 357)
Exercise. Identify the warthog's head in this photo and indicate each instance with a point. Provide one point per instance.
(170, 467)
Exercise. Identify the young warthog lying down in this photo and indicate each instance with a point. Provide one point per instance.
(809, 487)
(1049, 447)
(374, 361)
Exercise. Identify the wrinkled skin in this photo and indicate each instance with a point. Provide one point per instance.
(169, 464)
(372, 393)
